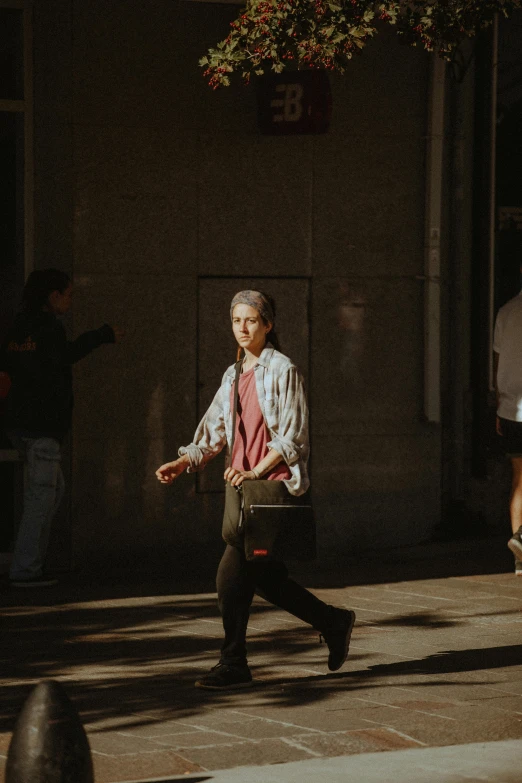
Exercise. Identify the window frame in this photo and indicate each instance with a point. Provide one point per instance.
(25, 108)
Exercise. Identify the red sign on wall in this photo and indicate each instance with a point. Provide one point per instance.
(293, 103)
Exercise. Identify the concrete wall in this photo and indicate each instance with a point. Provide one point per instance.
(147, 180)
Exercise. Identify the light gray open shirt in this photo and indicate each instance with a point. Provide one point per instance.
(282, 399)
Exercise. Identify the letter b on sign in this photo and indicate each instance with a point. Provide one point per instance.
(294, 103)
(291, 103)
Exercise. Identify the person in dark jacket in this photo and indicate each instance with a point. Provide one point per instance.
(38, 359)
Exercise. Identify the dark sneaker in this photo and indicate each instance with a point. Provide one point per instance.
(35, 581)
(337, 637)
(223, 677)
(518, 567)
(515, 543)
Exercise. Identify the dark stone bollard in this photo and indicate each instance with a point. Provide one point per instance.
(49, 744)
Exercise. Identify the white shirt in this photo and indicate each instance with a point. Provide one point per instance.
(282, 400)
(507, 342)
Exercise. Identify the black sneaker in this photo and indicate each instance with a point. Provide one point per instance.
(515, 544)
(518, 567)
(337, 637)
(224, 677)
(34, 581)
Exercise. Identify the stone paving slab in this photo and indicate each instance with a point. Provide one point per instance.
(434, 662)
(110, 768)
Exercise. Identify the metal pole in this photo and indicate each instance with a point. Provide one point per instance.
(432, 242)
(492, 195)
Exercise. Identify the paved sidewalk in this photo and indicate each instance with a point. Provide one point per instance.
(436, 660)
(498, 762)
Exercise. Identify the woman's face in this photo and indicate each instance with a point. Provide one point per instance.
(249, 328)
(60, 302)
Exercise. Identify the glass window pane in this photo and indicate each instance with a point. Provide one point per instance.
(11, 54)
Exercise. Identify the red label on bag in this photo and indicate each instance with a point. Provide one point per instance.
(260, 552)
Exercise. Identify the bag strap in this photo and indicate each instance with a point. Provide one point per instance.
(234, 414)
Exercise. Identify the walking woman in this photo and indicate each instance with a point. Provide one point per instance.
(271, 442)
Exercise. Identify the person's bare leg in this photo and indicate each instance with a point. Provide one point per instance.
(515, 505)
(515, 511)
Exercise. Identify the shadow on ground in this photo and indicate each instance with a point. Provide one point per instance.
(135, 658)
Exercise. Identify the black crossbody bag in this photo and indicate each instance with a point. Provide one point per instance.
(264, 518)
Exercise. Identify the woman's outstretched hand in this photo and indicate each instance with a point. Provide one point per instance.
(171, 470)
(236, 477)
(119, 333)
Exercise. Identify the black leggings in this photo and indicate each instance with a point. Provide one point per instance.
(238, 579)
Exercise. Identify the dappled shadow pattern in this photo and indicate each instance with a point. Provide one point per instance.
(128, 652)
(136, 659)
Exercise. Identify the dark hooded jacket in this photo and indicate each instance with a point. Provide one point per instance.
(38, 357)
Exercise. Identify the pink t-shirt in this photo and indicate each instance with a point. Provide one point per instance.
(250, 443)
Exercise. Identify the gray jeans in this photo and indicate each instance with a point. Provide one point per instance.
(43, 492)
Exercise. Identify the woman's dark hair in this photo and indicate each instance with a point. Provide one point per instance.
(272, 335)
(39, 285)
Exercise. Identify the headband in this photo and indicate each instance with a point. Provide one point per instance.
(258, 301)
